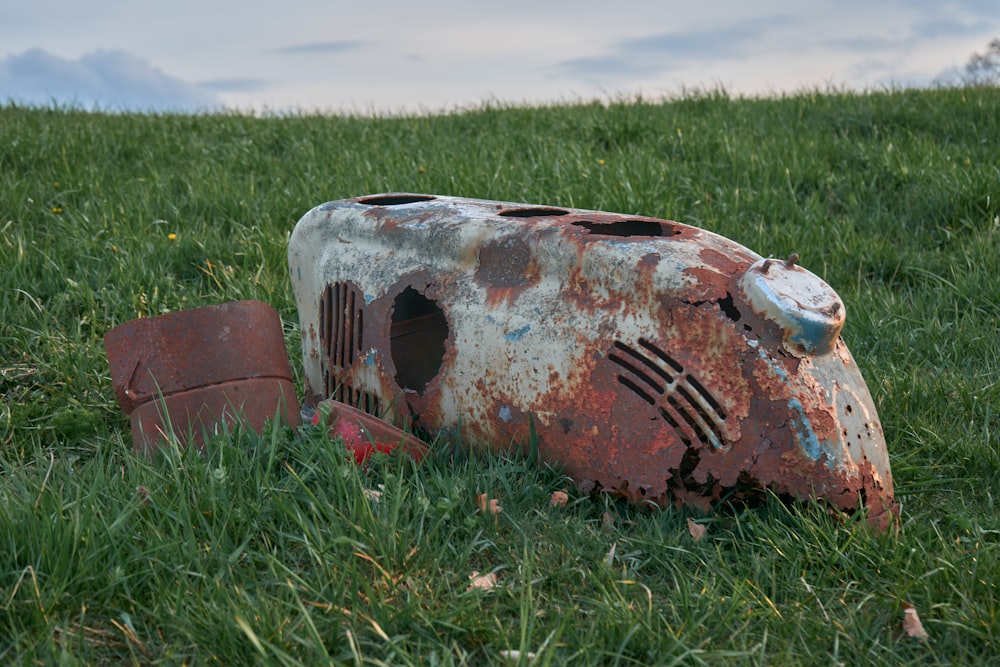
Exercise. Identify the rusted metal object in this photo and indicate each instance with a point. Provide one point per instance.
(193, 370)
(653, 359)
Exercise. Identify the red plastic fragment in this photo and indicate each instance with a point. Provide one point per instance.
(364, 434)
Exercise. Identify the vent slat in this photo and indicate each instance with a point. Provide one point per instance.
(714, 404)
(666, 358)
(690, 408)
(657, 387)
(691, 421)
(637, 389)
(341, 334)
(646, 361)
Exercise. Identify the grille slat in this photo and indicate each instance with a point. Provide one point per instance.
(341, 333)
(637, 389)
(689, 407)
(649, 363)
(636, 372)
(712, 403)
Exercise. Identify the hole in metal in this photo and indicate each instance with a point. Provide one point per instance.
(649, 363)
(417, 339)
(670, 420)
(628, 228)
(729, 309)
(365, 401)
(636, 372)
(707, 421)
(691, 421)
(531, 212)
(661, 354)
(394, 200)
(637, 389)
(697, 386)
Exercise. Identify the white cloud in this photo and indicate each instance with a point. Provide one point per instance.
(661, 52)
(109, 80)
(320, 48)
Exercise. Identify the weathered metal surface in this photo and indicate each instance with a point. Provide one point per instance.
(653, 359)
(194, 370)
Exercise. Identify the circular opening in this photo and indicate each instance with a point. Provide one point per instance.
(532, 212)
(394, 200)
(417, 338)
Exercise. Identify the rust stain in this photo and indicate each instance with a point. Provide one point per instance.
(650, 358)
(195, 370)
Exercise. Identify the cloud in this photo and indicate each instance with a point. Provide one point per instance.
(318, 48)
(235, 85)
(662, 52)
(867, 44)
(109, 80)
(919, 34)
(942, 27)
(609, 66)
(982, 8)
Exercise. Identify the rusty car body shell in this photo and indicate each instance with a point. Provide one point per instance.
(650, 358)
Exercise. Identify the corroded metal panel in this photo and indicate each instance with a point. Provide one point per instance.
(653, 359)
(193, 371)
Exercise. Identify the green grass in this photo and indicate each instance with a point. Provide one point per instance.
(268, 550)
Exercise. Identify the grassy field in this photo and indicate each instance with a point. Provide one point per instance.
(273, 549)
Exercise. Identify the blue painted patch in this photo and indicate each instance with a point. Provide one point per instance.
(799, 423)
(369, 298)
(370, 359)
(517, 334)
(811, 333)
(773, 365)
(504, 414)
(490, 319)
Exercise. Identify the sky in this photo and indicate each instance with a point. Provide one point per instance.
(394, 56)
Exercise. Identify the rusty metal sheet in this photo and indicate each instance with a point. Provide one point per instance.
(193, 370)
(654, 360)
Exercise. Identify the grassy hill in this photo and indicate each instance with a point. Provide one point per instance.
(269, 550)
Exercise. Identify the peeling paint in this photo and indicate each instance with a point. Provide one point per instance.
(517, 334)
(799, 423)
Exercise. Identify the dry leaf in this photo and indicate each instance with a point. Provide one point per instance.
(696, 529)
(373, 495)
(608, 520)
(559, 499)
(487, 504)
(485, 582)
(911, 623)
